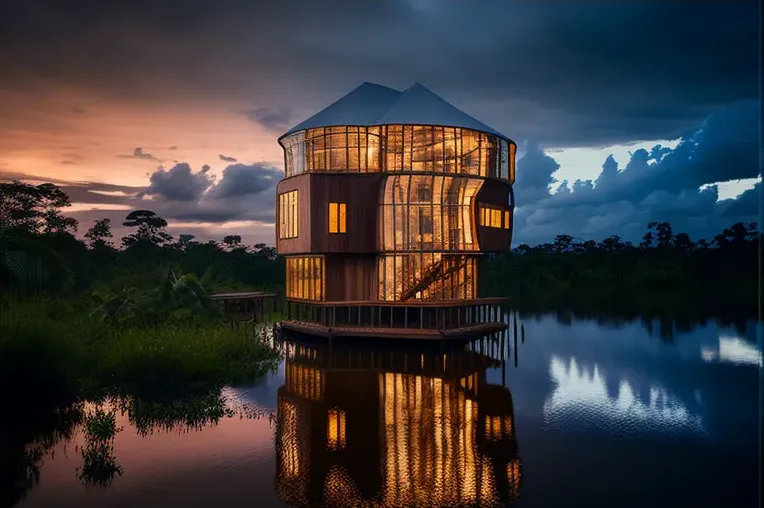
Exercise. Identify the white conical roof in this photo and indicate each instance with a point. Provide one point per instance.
(371, 104)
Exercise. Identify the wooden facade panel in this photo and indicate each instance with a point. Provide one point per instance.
(301, 244)
(361, 194)
(496, 194)
(351, 277)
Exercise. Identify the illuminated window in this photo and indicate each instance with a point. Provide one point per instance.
(492, 217)
(426, 276)
(337, 218)
(495, 218)
(288, 215)
(335, 429)
(419, 148)
(512, 154)
(305, 277)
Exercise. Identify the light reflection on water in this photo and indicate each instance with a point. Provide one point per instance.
(392, 426)
(734, 350)
(581, 395)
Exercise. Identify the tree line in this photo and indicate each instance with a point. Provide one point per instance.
(40, 250)
(666, 268)
(665, 272)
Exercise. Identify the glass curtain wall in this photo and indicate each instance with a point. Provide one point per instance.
(428, 212)
(418, 148)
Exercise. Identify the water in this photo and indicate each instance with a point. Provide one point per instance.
(581, 413)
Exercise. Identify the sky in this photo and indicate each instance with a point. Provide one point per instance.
(624, 112)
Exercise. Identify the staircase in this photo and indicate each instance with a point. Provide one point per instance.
(438, 270)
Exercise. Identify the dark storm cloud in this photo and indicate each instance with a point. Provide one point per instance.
(276, 120)
(241, 180)
(225, 158)
(562, 73)
(244, 192)
(138, 153)
(748, 204)
(659, 185)
(179, 183)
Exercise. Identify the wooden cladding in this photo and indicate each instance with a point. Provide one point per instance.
(306, 277)
(390, 148)
(288, 215)
(337, 217)
(492, 217)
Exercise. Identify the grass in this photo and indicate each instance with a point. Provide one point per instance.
(53, 346)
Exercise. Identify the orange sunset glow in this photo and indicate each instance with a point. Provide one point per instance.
(106, 100)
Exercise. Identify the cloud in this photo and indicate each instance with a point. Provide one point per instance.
(138, 153)
(272, 119)
(225, 158)
(656, 185)
(244, 192)
(67, 162)
(592, 74)
(173, 147)
(241, 179)
(78, 110)
(178, 184)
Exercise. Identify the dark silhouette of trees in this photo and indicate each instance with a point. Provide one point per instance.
(232, 241)
(34, 209)
(665, 271)
(98, 235)
(151, 229)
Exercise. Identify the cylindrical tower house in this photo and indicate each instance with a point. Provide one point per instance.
(388, 201)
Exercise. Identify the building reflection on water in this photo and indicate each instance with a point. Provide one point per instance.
(393, 427)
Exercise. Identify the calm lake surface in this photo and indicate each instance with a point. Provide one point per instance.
(581, 413)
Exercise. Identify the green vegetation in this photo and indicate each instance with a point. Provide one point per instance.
(82, 318)
(99, 466)
(55, 343)
(666, 273)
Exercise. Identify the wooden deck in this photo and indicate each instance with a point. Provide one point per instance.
(242, 295)
(459, 333)
(245, 306)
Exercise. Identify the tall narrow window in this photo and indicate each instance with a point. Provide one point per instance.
(335, 429)
(495, 218)
(306, 278)
(507, 219)
(288, 215)
(337, 217)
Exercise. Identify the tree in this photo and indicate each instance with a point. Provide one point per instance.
(523, 249)
(99, 234)
(34, 208)
(55, 223)
(232, 241)
(562, 243)
(683, 242)
(612, 243)
(647, 241)
(151, 229)
(664, 234)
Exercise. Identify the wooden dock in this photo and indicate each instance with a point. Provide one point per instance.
(245, 306)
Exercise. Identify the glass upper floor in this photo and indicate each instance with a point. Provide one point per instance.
(393, 148)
